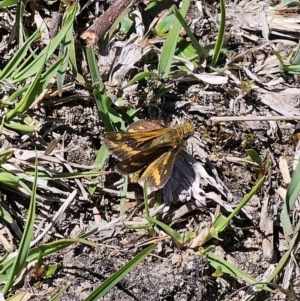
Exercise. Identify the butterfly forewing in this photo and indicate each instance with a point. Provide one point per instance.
(119, 150)
(146, 125)
(123, 144)
(140, 160)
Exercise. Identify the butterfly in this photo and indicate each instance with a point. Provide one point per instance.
(147, 150)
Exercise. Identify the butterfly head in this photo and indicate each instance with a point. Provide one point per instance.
(187, 129)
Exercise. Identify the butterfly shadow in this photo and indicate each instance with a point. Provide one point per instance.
(181, 180)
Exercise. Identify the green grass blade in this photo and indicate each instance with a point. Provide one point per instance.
(170, 43)
(60, 293)
(73, 64)
(102, 101)
(5, 215)
(1, 126)
(202, 53)
(65, 45)
(254, 157)
(6, 3)
(18, 57)
(44, 55)
(27, 60)
(140, 76)
(17, 126)
(12, 181)
(16, 94)
(280, 59)
(290, 199)
(26, 239)
(221, 224)
(228, 268)
(145, 194)
(19, 22)
(100, 160)
(67, 175)
(56, 246)
(288, 3)
(123, 195)
(94, 70)
(287, 255)
(119, 275)
(46, 249)
(38, 85)
(221, 32)
(178, 239)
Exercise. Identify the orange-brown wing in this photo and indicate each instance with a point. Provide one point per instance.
(146, 125)
(119, 149)
(122, 145)
(140, 137)
(159, 171)
(139, 161)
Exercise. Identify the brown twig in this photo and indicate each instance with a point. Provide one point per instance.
(105, 21)
(253, 118)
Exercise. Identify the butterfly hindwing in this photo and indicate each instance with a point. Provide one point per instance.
(158, 172)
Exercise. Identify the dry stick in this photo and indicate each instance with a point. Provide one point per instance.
(253, 118)
(104, 22)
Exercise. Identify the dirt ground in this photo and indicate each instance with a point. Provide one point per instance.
(255, 87)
